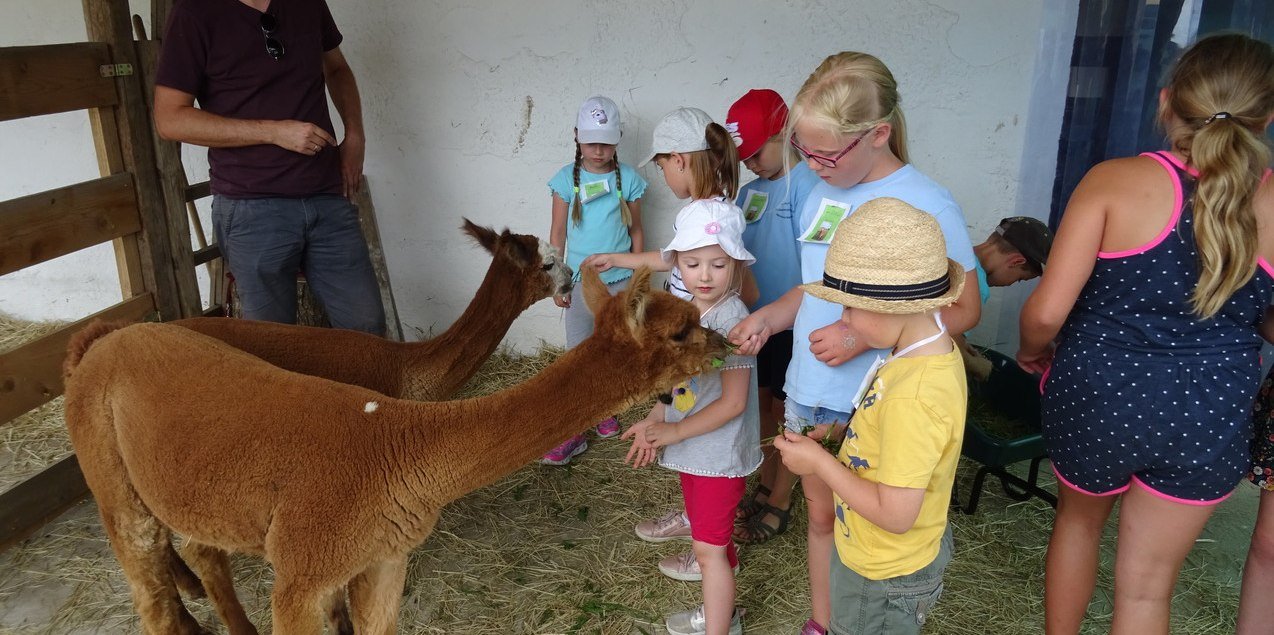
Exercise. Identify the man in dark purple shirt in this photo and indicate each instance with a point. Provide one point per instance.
(281, 183)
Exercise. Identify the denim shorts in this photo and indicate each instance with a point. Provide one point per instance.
(894, 606)
(266, 242)
(797, 416)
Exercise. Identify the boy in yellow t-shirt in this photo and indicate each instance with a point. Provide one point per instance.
(887, 265)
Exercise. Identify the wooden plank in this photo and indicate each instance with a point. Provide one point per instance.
(34, 502)
(43, 226)
(172, 183)
(110, 160)
(371, 233)
(108, 21)
(42, 80)
(31, 375)
(207, 254)
(198, 191)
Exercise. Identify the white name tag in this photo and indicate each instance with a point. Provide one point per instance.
(823, 227)
(754, 205)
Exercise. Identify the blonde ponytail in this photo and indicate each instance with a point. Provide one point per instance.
(1221, 94)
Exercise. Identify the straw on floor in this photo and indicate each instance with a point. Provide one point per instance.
(552, 550)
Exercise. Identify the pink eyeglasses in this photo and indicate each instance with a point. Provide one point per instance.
(829, 162)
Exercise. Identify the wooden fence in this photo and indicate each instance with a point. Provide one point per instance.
(137, 207)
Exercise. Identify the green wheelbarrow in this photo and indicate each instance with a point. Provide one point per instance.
(1003, 428)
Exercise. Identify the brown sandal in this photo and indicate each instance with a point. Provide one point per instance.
(755, 531)
(750, 506)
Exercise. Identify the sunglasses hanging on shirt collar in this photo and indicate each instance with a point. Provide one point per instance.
(270, 24)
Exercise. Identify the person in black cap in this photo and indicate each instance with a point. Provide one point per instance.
(1016, 251)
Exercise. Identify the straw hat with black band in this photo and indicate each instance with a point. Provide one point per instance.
(889, 257)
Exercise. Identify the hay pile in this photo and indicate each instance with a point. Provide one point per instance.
(37, 439)
(551, 550)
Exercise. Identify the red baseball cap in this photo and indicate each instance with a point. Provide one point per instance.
(754, 118)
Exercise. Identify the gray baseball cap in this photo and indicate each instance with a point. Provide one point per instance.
(682, 130)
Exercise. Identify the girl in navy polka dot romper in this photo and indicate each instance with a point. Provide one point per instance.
(1157, 285)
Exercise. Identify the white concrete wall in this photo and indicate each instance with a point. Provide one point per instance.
(469, 108)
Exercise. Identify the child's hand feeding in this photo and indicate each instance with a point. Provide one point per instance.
(801, 454)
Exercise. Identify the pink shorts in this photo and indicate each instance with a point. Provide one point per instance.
(710, 505)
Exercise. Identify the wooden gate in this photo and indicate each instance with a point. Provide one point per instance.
(133, 206)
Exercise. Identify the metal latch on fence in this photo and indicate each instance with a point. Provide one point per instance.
(115, 70)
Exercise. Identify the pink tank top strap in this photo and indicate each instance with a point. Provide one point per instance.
(1170, 164)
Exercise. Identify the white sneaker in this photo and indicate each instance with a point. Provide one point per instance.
(684, 566)
(694, 623)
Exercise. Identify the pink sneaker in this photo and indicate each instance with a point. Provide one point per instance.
(608, 428)
(812, 628)
(670, 526)
(562, 454)
(684, 566)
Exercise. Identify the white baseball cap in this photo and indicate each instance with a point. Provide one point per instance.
(597, 121)
(709, 222)
(682, 130)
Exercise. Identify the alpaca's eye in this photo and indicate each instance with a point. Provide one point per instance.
(681, 335)
(548, 266)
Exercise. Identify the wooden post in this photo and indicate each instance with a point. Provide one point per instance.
(168, 267)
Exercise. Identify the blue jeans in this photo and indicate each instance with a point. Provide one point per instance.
(267, 241)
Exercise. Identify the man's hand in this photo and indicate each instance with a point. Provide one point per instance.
(304, 138)
(352, 151)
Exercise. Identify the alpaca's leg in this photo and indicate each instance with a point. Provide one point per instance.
(186, 579)
(298, 606)
(374, 596)
(140, 542)
(338, 621)
(213, 565)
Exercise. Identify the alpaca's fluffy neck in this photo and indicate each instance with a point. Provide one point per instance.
(504, 431)
(463, 347)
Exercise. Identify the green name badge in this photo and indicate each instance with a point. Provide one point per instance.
(823, 227)
(755, 206)
(592, 190)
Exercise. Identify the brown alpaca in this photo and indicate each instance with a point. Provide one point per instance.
(333, 484)
(523, 271)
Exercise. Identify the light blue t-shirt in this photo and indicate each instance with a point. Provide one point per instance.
(810, 382)
(601, 229)
(984, 288)
(772, 210)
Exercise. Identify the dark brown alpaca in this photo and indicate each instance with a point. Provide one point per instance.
(333, 484)
(523, 271)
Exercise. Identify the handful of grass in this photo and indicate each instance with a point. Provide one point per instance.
(718, 362)
(830, 441)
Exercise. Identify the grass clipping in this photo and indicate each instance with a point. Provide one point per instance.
(552, 550)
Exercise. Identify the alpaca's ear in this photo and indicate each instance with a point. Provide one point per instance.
(518, 251)
(638, 298)
(595, 292)
(484, 235)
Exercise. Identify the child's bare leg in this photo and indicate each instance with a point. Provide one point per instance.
(718, 586)
(1256, 612)
(1155, 535)
(822, 520)
(1070, 570)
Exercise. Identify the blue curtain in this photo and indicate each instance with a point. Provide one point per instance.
(1123, 49)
